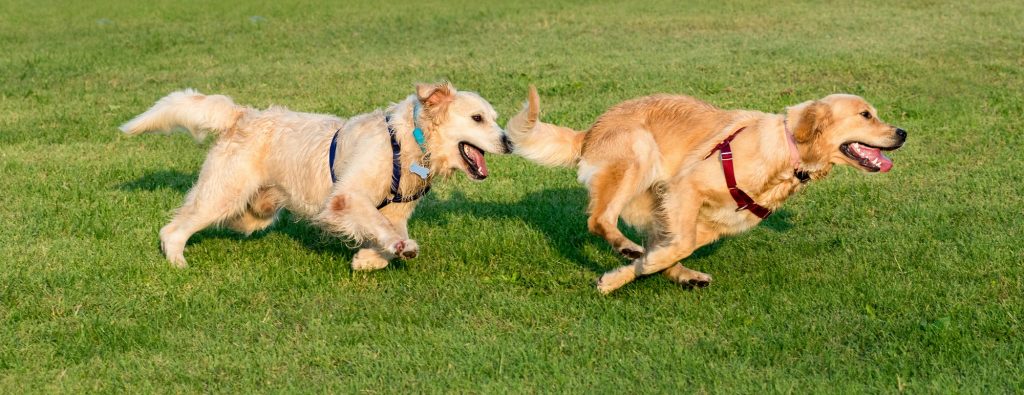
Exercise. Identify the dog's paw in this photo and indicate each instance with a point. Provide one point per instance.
(405, 249)
(178, 261)
(632, 252)
(629, 249)
(688, 277)
(615, 279)
(173, 246)
(367, 259)
(410, 250)
(175, 256)
(605, 284)
(699, 283)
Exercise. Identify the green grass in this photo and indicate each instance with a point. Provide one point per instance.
(911, 280)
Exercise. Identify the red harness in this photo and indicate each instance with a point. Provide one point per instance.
(743, 201)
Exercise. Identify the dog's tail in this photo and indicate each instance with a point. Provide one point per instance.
(187, 109)
(544, 143)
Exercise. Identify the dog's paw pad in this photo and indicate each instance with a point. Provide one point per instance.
(410, 250)
(405, 249)
(699, 283)
(398, 247)
(631, 253)
(699, 280)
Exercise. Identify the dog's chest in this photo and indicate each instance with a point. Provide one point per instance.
(726, 220)
(722, 215)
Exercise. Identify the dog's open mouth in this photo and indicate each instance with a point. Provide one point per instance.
(476, 166)
(870, 158)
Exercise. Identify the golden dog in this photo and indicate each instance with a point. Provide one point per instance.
(648, 161)
(333, 171)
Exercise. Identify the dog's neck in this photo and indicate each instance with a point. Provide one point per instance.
(403, 120)
(805, 165)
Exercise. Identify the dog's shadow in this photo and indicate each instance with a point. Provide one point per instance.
(161, 179)
(558, 213)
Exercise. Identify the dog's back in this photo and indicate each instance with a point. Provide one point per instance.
(679, 125)
(287, 148)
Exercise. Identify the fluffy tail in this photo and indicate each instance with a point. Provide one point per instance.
(541, 142)
(190, 110)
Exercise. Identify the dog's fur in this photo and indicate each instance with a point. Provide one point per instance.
(263, 161)
(644, 161)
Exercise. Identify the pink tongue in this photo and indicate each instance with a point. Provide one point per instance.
(875, 156)
(478, 159)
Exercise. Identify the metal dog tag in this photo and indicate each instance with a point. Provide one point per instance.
(421, 171)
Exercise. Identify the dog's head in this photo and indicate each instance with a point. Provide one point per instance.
(844, 129)
(460, 127)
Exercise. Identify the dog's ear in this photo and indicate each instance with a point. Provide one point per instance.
(812, 119)
(433, 95)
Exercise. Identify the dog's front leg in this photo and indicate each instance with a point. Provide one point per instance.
(356, 216)
(372, 256)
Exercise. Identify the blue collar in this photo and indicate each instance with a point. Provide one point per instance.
(417, 133)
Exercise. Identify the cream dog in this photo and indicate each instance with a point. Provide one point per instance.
(357, 178)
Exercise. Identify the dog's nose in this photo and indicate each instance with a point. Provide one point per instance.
(506, 143)
(902, 134)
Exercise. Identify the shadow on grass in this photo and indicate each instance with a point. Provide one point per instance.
(560, 214)
(557, 213)
(778, 221)
(301, 231)
(161, 179)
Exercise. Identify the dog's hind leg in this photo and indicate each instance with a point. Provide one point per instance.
(611, 188)
(260, 213)
(641, 213)
(222, 192)
(680, 237)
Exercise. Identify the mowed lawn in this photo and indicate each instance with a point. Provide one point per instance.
(908, 281)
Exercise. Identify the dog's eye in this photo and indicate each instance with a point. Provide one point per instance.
(478, 118)
(866, 115)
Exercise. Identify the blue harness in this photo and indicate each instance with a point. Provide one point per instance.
(396, 163)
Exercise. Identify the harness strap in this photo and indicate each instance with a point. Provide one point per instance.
(743, 201)
(331, 154)
(396, 172)
(396, 169)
